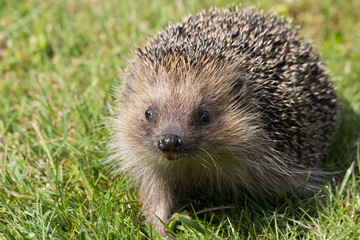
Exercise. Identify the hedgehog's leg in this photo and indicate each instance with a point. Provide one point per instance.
(158, 202)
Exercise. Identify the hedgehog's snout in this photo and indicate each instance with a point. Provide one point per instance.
(170, 143)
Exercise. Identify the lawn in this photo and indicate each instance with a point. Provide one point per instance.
(59, 63)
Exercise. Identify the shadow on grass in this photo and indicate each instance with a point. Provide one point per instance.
(344, 149)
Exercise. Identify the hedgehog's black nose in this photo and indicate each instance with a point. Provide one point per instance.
(170, 143)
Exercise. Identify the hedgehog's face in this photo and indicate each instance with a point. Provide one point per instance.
(176, 119)
(173, 117)
(178, 127)
(171, 142)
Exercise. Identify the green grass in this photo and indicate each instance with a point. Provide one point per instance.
(59, 61)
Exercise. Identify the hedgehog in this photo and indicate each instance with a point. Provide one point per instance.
(224, 101)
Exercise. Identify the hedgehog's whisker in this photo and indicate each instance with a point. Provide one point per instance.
(203, 161)
(215, 163)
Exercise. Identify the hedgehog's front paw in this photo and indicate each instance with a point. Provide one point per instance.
(158, 225)
(157, 208)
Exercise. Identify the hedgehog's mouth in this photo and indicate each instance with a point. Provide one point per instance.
(172, 156)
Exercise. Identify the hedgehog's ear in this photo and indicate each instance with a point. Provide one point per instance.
(239, 91)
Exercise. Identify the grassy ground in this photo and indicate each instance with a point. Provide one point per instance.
(58, 63)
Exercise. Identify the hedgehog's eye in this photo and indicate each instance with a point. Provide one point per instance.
(148, 113)
(204, 117)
